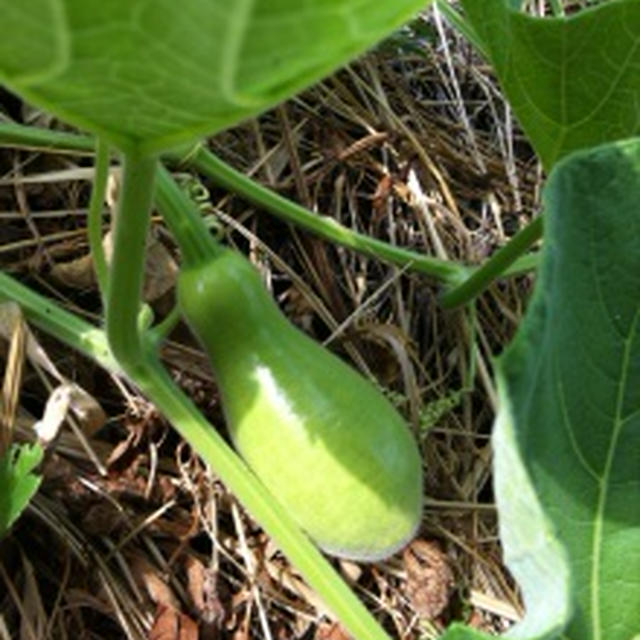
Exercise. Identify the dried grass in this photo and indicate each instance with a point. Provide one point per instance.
(415, 145)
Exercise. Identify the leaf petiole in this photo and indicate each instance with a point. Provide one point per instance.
(323, 226)
(95, 216)
(229, 178)
(494, 267)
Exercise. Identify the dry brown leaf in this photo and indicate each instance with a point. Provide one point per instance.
(430, 580)
(188, 628)
(165, 625)
(381, 196)
(170, 624)
(242, 632)
(160, 270)
(77, 273)
(148, 577)
(203, 589)
(331, 631)
(87, 410)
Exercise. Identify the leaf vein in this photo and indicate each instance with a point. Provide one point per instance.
(604, 484)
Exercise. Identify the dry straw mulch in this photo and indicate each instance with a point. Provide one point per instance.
(130, 535)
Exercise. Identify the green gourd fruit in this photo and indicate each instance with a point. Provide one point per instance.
(324, 441)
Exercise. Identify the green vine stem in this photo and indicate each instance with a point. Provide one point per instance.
(95, 216)
(138, 361)
(527, 263)
(66, 327)
(328, 228)
(494, 267)
(26, 137)
(127, 263)
(161, 331)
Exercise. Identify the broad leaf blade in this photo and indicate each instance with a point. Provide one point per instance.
(531, 550)
(574, 83)
(571, 390)
(165, 72)
(31, 50)
(18, 483)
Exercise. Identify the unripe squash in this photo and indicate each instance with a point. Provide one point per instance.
(324, 441)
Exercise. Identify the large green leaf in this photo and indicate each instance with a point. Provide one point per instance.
(573, 82)
(567, 436)
(571, 391)
(165, 72)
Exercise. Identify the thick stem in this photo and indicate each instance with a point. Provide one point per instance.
(495, 267)
(127, 264)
